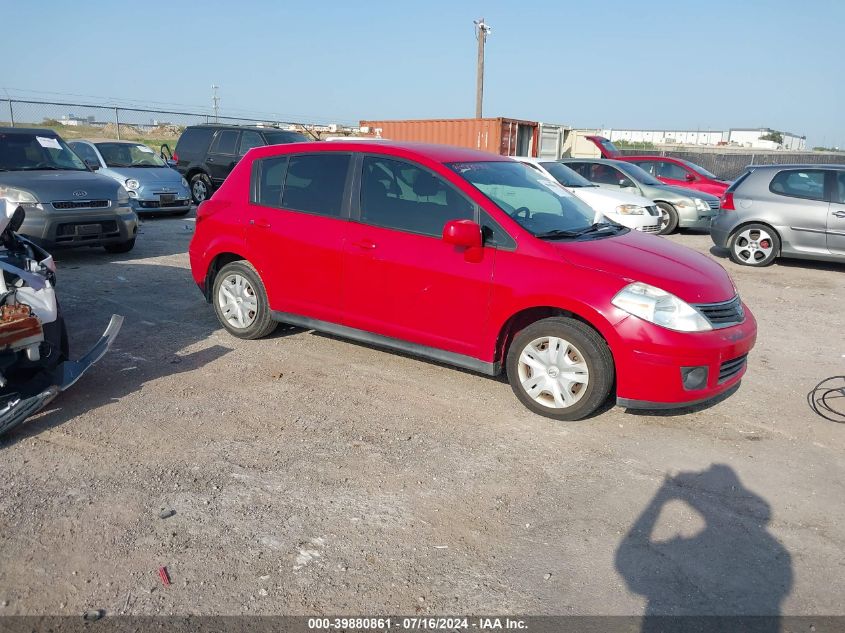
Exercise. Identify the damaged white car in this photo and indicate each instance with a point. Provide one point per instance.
(34, 364)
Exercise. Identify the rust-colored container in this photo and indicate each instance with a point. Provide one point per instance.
(508, 137)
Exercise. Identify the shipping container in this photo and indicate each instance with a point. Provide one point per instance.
(551, 139)
(508, 137)
(577, 145)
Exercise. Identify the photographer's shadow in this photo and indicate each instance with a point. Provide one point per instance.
(731, 567)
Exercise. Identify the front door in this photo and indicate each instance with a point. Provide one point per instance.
(836, 216)
(401, 279)
(222, 155)
(296, 226)
(673, 174)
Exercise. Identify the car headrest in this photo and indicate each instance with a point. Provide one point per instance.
(425, 184)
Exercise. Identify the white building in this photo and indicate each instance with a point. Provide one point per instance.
(665, 137)
(751, 137)
(741, 137)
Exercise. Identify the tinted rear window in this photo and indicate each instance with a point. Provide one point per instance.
(279, 138)
(799, 183)
(315, 183)
(194, 142)
(225, 142)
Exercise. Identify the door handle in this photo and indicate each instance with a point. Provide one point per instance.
(260, 224)
(839, 214)
(209, 159)
(365, 244)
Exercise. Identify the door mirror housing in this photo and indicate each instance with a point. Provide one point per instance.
(464, 233)
(624, 182)
(92, 164)
(690, 178)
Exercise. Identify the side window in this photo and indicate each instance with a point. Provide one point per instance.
(271, 174)
(85, 152)
(799, 183)
(671, 171)
(840, 187)
(225, 142)
(647, 165)
(583, 169)
(607, 175)
(398, 195)
(315, 183)
(249, 139)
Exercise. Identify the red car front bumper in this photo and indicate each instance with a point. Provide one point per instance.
(652, 361)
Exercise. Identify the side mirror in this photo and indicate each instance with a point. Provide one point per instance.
(464, 233)
(690, 178)
(92, 164)
(624, 182)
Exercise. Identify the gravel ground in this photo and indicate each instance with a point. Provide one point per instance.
(312, 475)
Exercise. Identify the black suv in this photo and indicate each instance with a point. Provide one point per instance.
(205, 154)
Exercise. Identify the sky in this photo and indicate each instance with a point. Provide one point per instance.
(607, 63)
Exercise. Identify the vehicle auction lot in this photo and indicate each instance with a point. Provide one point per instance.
(312, 475)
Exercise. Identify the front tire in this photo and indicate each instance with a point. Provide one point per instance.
(668, 218)
(240, 301)
(560, 368)
(754, 245)
(200, 188)
(120, 247)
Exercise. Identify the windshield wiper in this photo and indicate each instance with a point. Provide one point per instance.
(597, 228)
(557, 234)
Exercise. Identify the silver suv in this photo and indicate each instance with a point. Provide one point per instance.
(783, 211)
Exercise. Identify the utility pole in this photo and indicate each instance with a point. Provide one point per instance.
(482, 30)
(215, 100)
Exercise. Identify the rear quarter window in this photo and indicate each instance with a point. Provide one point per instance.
(799, 183)
(194, 142)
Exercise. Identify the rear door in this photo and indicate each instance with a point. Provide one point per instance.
(297, 225)
(222, 155)
(836, 216)
(400, 278)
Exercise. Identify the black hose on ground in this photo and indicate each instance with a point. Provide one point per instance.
(827, 399)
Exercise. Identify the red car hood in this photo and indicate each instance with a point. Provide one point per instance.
(636, 256)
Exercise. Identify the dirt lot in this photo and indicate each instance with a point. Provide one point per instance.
(312, 475)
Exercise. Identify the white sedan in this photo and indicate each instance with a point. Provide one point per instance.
(626, 209)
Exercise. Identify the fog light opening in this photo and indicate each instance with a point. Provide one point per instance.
(694, 377)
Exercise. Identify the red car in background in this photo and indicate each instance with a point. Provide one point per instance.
(471, 259)
(672, 171)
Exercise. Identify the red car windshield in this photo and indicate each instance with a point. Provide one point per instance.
(538, 204)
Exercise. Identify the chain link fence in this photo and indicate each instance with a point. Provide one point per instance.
(731, 164)
(80, 120)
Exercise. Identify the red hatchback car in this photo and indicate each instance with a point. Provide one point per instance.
(672, 171)
(471, 259)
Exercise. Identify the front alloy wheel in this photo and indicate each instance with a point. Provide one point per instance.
(560, 368)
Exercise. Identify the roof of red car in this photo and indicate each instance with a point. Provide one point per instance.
(438, 153)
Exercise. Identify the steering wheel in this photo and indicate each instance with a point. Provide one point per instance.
(523, 212)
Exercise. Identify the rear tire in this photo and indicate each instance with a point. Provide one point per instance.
(754, 245)
(120, 247)
(560, 368)
(200, 188)
(668, 218)
(240, 301)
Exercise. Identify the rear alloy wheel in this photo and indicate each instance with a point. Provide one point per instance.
(200, 188)
(240, 301)
(668, 218)
(754, 245)
(560, 368)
